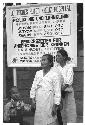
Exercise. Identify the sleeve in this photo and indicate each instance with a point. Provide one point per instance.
(34, 87)
(68, 79)
(57, 89)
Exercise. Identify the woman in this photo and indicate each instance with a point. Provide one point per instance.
(66, 68)
(46, 92)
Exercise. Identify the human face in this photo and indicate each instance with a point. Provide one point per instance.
(59, 58)
(15, 94)
(45, 62)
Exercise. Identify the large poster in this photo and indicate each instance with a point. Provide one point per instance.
(34, 30)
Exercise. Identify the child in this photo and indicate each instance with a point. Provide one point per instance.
(13, 110)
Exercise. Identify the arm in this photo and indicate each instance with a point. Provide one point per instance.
(64, 87)
(33, 92)
(33, 88)
(57, 89)
(68, 79)
(57, 93)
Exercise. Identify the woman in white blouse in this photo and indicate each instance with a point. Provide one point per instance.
(46, 92)
(66, 68)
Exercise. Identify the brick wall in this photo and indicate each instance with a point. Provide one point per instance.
(25, 78)
(78, 86)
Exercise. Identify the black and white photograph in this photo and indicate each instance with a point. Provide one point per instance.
(43, 63)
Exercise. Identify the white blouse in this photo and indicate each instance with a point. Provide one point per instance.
(46, 84)
(67, 73)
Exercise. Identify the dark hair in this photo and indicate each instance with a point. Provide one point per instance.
(64, 54)
(12, 89)
(50, 58)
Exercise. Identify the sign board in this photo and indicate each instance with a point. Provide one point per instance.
(34, 30)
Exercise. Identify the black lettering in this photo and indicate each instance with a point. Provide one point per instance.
(50, 8)
(12, 13)
(53, 17)
(22, 12)
(31, 18)
(66, 43)
(56, 39)
(41, 18)
(32, 45)
(52, 44)
(47, 17)
(66, 16)
(61, 44)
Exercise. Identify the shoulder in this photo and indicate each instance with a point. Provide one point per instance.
(69, 68)
(70, 64)
(38, 73)
(55, 72)
(56, 68)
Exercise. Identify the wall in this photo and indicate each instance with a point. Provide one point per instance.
(78, 85)
(25, 77)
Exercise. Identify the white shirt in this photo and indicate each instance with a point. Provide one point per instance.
(67, 73)
(47, 83)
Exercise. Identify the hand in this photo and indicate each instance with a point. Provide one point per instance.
(54, 110)
(33, 101)
(64, 87)
(33, 105)
(60, 107)
(61, 104)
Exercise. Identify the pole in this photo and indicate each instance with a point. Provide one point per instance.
(14, 77)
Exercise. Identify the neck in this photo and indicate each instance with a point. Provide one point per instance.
(63, 63)
(46, 70)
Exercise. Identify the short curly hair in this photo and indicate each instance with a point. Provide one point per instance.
(64, 54)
